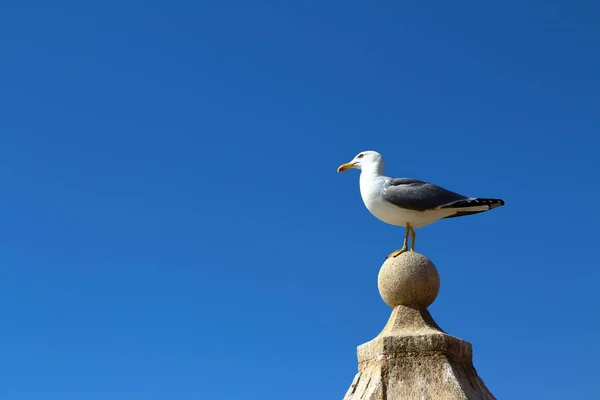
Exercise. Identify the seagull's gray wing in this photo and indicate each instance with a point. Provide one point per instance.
(417, 195)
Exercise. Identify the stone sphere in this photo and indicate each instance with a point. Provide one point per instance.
(408, 279)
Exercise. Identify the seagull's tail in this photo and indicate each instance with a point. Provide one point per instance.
(472, 206)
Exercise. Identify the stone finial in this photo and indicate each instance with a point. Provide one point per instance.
(408, 279)
(412, 358)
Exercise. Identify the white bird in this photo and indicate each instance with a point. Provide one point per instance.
(409, 202)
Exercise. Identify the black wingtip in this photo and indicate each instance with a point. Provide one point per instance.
(491, 203)
(495, 203)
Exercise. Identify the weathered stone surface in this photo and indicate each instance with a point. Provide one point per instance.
(412, 358)
(410, 278)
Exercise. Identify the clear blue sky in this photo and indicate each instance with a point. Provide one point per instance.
(173, 226)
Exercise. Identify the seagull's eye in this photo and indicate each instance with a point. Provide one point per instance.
(361, 155)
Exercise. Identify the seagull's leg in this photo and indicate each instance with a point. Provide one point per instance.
(404, 247)
(414, 236)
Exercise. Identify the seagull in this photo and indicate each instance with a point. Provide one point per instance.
(407, 202)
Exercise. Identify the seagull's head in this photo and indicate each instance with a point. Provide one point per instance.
(362, 160)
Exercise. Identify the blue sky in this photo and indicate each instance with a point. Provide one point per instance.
(173, 225)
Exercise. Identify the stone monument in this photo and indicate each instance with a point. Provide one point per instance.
(412, 357)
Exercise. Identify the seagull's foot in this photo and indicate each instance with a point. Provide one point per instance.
(397, 252)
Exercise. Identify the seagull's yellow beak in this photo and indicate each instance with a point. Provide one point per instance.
(346, 166)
